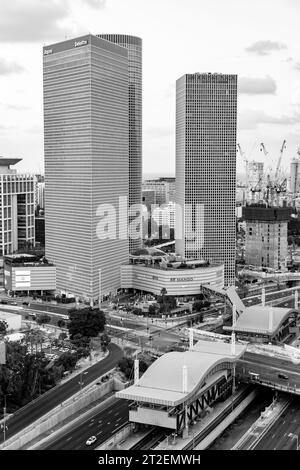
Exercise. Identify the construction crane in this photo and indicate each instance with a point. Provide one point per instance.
(263, 148)
(279, 161)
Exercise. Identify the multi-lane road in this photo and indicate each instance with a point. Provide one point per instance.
(103, 425)
(39, 407)
(269, 369)
(279, 436)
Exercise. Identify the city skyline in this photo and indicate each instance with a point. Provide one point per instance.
(265, 57)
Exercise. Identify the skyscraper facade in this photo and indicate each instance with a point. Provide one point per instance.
(16, 208)
(86, 163)
(134, 46)
(206, 113)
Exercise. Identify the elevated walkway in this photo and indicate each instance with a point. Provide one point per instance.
(224, 293)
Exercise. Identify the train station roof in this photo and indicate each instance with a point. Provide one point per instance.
(256, 319)
(162, 383)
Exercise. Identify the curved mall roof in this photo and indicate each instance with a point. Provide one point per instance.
(162, 383)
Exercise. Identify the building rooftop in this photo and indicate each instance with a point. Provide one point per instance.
(162, 383)
(255, 319)
(4, 161)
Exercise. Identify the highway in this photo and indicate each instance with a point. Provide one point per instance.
(268, 368)
(46, 402)
(277, 438)
(102, 425)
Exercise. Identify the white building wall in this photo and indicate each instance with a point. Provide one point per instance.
(177, 282)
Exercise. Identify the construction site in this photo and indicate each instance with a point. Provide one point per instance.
(269, 202)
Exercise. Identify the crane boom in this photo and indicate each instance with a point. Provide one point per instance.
(280, 159)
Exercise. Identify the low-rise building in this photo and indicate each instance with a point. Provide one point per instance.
(28, 273)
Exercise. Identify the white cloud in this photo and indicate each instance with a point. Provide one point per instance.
(8, 68)
(32, 20)
(251, 119)
(265, 47)
(257, 86)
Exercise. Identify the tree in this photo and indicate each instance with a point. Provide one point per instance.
(105, 340)
(68, 360)
(3, 328)
(42, 319)
(126, 365)
(61, 323)
(86, 322)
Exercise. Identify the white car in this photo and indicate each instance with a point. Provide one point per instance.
(91, 440)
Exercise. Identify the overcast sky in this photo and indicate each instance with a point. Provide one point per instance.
(257, 39)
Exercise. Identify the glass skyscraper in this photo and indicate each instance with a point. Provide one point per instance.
(86, 163)
(134, 46)
(206, 120)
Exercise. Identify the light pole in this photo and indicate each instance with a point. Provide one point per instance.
(3, 426)
(294, 436)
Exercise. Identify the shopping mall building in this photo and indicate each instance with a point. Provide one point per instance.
(151, 270)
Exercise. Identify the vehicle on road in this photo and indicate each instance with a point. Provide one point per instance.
(4, 302)
(91, 440)
(254, 375)
(283, 376)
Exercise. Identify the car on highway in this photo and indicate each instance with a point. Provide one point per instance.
(91, 440)
(283, 376)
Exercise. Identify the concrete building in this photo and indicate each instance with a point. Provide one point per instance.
(255, 171)
(17, 207)
(266, 236)
(206, 111)
(148, 199)
(165, 215)
(134, 46)
(40, 230)
(163, 187)
(27, 273)
(40, 200)
(86, 164)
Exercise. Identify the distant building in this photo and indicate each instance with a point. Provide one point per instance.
(164, 189)
(266, 236)
(148, 198)
(165, 215)
(295, 175)
(17, 202)
(206, 120)
(40, 230)
(40, 195)
(255, 171)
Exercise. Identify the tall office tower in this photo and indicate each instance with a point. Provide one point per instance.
(206, 110)
(134, 46)
(16, 208)
(86, 164)
(295, 174)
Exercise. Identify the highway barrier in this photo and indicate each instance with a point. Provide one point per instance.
(66, 409)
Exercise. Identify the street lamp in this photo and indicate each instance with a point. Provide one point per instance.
(3, 426)
(294, 436)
